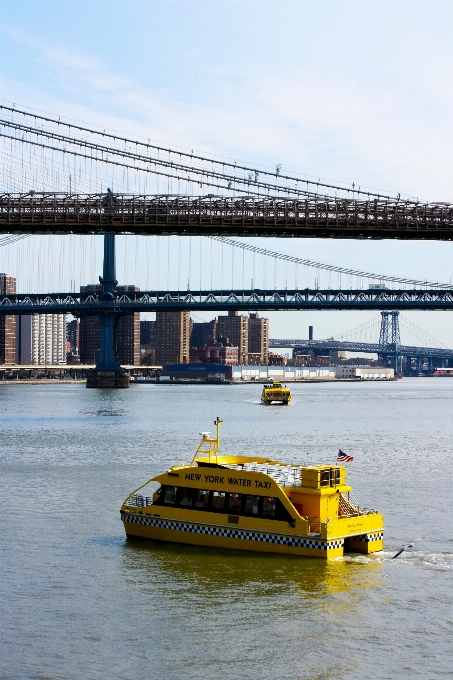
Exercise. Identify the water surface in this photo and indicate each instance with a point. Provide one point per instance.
(80, 601)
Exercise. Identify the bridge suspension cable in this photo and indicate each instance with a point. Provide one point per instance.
(12, 238)
(362, 331)
(419, 332)
(327, 267)
(220, 173)
(372, 327)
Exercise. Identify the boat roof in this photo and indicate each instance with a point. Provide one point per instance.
(284, 475)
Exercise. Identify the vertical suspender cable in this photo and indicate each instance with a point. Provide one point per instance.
(201, 260)
(158, 263)
(168, 262)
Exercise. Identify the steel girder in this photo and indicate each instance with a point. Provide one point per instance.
(217, 300)
(49, 213)
(366, 347)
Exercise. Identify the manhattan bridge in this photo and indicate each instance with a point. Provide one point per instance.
(55, 174)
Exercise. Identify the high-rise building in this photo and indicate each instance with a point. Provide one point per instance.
(258, 340)
(72, 334)
(89, 339)
(8, 324)
(173, 337)
(235, 330)
(127, 334)
(204, 334)
(42, 339)
(147, 334)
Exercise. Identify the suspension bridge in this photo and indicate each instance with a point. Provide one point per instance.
(326, 346)
(410, 358)
(242, 201)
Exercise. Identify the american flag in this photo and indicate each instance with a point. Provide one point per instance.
(343, 457)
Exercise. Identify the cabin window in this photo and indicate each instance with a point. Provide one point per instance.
(186, 499)
(170, 495)
(269, 507)
(330, 477)
(218, 500)
(234, 503)
(201, 499)
(325, 477)
(251, 506)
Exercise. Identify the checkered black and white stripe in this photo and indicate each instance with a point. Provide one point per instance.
(242, 534)
(368, 538)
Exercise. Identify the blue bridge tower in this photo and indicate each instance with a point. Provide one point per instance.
(390, 341)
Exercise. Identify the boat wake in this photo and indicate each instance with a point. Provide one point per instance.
(442, 561)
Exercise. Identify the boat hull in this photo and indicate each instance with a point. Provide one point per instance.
(240, 538)
(281, 402)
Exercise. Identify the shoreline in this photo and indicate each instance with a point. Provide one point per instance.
(82, 381)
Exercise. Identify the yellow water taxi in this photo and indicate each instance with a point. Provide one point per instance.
(276, 394)
(253, 503)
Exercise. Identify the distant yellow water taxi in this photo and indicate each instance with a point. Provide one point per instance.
(276, 394)
(253, 503)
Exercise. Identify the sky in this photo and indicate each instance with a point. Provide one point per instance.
(345, 91)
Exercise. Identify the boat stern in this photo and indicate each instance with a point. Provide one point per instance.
(361, 534)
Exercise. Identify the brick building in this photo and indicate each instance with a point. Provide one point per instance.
(204, 334)
(234, 330)
(258, 349)
(8, 324)
(214, 355)
(147, 334)
(173, 330)
(73, 335)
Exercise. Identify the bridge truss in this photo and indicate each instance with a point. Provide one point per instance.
(217, 300)
(43, 213)
(326, 346)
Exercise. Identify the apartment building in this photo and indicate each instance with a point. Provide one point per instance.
(42, 339)
(173, 330)
(8, 324)
(234, 330)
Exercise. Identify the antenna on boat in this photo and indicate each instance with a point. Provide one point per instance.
(217, 422)
(207, 445)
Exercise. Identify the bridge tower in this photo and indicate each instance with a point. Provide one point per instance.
(108, 372)
(390, 341)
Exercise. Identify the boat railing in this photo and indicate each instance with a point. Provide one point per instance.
(286, 476)
(349, 506)
(139, 501)
(294, 482)
(314, 525)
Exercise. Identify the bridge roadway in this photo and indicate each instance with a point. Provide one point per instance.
(218, 300)
(368, 348)
(51, 213)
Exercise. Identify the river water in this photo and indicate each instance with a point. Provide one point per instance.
(80, 602)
